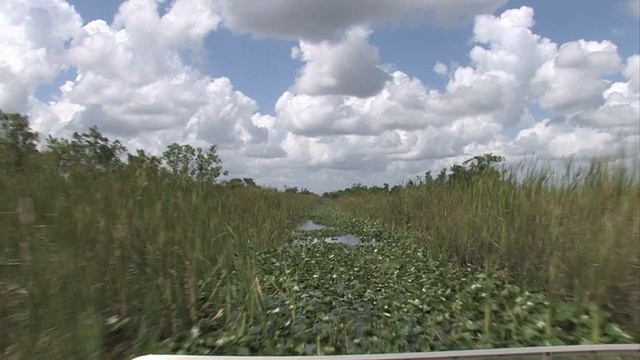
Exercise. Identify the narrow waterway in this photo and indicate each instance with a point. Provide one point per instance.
(347, 239)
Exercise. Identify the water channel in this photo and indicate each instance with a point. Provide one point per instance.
(347, 239)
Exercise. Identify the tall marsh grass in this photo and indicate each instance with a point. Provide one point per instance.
(107, 266)
(577, 238)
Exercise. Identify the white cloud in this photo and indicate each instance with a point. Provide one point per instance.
(315, 21)
(573, 81)
(346, 119)
(401, 104)
(32, 39)
(512, 68)
(619, 113)
(513, 53)
(226, 118)
(185, 24)
(494, 89)
(440, 68)
(345, 68)
(512, 47)
(632, 72)
(560, 140)
(133, 83)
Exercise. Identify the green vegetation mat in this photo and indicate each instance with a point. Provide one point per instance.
(397, 297)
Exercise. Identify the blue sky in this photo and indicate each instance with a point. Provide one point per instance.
(359, 102)
(414, 49)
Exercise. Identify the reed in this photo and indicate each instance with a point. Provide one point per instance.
(575, 235)
(107, 266)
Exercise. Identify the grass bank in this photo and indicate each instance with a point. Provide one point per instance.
(108, 266)
(577, 239)
(112, 266)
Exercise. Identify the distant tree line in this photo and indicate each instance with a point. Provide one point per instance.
(295, 190)
(91, 153)
(483, 166)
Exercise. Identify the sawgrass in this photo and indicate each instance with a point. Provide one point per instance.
(576, 236)
(109, 266)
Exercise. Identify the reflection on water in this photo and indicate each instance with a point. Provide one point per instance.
(310, 226)
(343, 239)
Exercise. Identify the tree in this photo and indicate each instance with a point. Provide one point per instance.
(249, 182)
(142, 161)
(234, 183)
(484, 164)
(88, 150)
(193, 163)
(17, 141)
(428, 178)
(442, 176)
(459, 174)
(478, 166)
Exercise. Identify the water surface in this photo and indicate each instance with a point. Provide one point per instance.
(310, 226)
(348, 239)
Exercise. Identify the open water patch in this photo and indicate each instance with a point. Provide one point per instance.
(311, 226)
(313, 233)
(343, 239)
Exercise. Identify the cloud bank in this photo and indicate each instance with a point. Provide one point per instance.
(316, 21)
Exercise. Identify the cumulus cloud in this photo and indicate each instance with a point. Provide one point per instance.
(632, 72)
(573, 81)
(33, 39)
(316, 21)
(400, 104)
(226, 117)
(619, 112)
(345, 119)
(185, 24)
(132, 81)
(345, 68)
(493, 88)
(508, 50)
(511, 69)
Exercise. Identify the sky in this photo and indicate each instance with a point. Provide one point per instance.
(325, 94)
